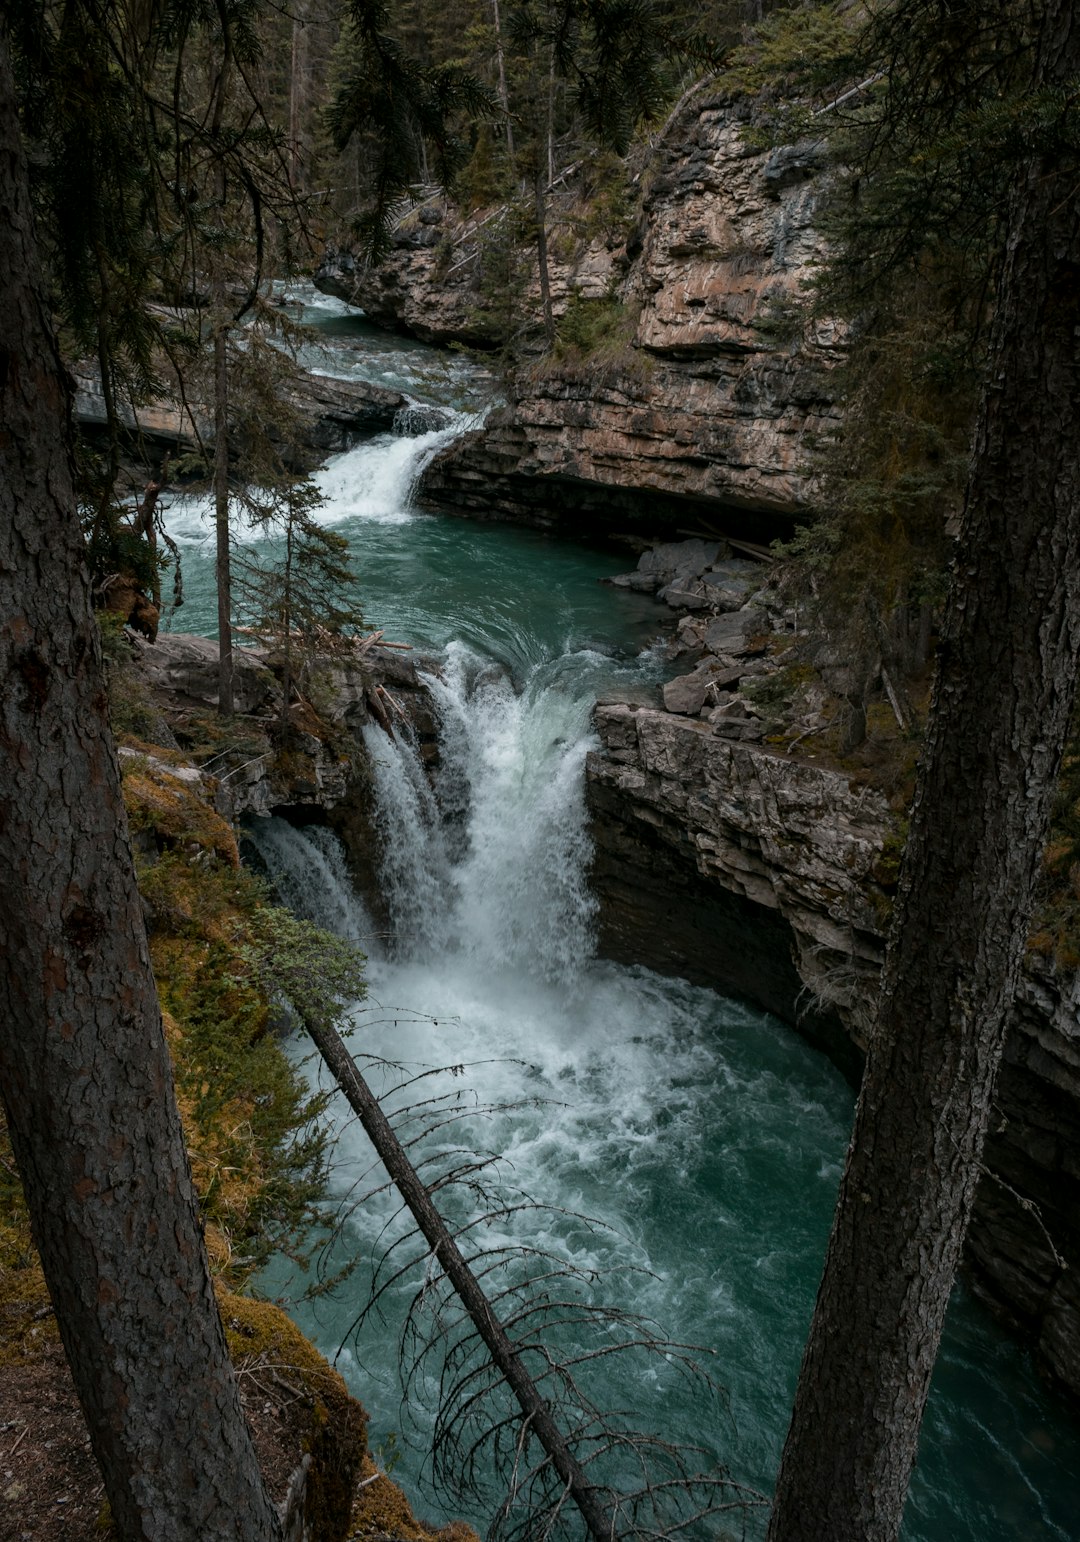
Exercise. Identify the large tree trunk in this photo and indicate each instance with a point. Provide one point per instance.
(83, 1063)
(1000, 714)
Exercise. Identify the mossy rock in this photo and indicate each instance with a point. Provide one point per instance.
(176, 812)
(264, 1344)
(381, 1511)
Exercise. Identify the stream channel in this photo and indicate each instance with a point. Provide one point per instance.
(705, 1136)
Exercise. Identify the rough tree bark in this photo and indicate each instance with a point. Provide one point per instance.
(999, 718)
(84, 1068)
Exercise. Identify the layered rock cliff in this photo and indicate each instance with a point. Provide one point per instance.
(740, 866)
(708, 410)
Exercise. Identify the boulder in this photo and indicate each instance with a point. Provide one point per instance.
(738, 632)
(687, 693)
(182, 671)
(678, 559)
(418, 418)
(684, 593)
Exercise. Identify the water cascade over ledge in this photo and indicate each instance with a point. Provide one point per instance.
(705, 1136)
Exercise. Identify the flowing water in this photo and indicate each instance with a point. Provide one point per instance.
(704, 1135)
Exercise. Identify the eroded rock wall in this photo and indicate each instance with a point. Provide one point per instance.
(714, 401)
(754, 871)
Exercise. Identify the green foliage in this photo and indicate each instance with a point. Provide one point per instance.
(157, 178)
(112, 545)
(482, 180)
(305, 583)
(594, 344)
(886, 869)
(319, 974)
(298, 593)
(400, 105)
(591, 327)
(498, 315)
(920, 104)
(608, 198)
(798, 52)
(257, 1143)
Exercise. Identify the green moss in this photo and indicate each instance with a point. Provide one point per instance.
(775, 693)
(263, 1342)
(176, 813)
(381, 1511)
(886, 868)
(133, 714)
(256, 1142)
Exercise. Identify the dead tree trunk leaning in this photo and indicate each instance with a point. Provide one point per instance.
(1002, 703)
(340, 1063)
(84, 1067)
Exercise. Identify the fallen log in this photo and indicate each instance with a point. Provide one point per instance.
(538, 1418)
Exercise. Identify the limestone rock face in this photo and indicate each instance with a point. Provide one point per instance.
(783, 834)
(431, 285)
(744, 868)
(714, 403)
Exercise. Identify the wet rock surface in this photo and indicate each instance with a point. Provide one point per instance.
(333, 415)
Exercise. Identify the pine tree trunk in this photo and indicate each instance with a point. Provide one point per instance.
(223, 555)
(1001, 709)
(298, 98)
(540, 212)
(504, 98)
(84, 1067)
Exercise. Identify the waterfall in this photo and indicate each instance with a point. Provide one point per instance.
(594, 1090)
(308, 871)
(491, 864)
(376, 479)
